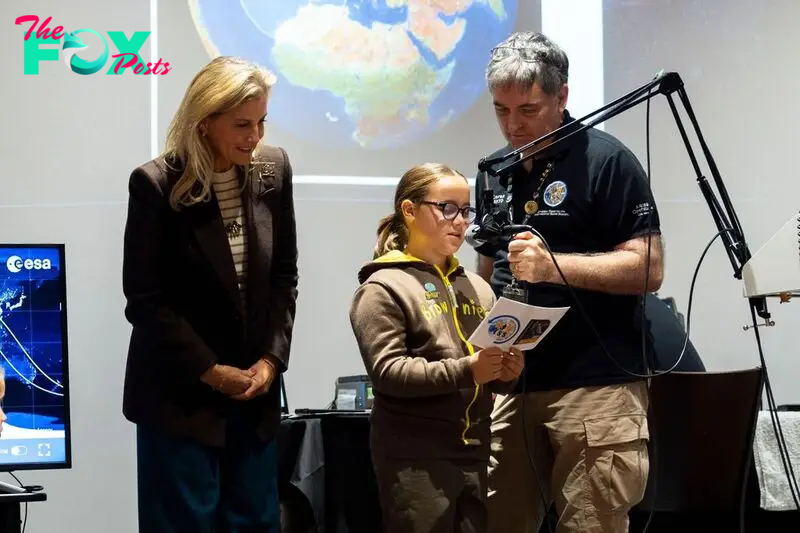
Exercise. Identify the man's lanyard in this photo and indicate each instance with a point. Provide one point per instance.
(531, 206)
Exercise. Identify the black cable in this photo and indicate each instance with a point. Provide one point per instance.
(736, 229)
(688, 329)
(646, 288)
(523, 407)
(591, 325)
(653, 460)
(579, 305)
(642, 94)
(795, 490)
(529, 453)
(646, 365)
(781, 440)
(776, 427)
(25, 514)
(653, 473)
(774, 418)
(685, 342)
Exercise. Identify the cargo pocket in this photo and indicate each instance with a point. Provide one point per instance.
(616, 463)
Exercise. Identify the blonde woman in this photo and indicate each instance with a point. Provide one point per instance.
(412, 315)
(210, 277)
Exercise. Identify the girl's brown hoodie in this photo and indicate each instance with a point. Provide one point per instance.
(412, 321)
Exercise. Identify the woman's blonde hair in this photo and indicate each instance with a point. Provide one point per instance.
(413, 186)
(223, 84)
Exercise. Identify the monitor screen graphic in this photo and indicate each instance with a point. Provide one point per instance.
(33, 355)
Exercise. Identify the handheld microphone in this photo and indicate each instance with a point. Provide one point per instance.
(472, 236)
(479, 234)
(476, 236)
(496, 227)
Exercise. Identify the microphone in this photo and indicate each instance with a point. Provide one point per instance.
(496, 227)
(476, 236)
(472, 236)
(496, 234)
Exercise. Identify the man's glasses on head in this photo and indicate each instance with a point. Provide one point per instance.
(523, 52)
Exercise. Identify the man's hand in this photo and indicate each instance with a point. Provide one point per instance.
(530, 260)
(227, 379)
(622, 270)
(513, 362)
(263, 372)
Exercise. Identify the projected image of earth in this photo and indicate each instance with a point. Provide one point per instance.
(370, 73)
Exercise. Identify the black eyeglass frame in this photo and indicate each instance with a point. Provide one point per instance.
(468, 213)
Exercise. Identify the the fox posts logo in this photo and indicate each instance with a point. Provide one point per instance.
(127, 55)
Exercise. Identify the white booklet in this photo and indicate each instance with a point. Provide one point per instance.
(511, 323)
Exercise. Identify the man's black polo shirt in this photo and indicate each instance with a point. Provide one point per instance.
(595, 198)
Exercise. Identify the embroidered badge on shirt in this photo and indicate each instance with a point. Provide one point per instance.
(430, 291)
(555, 193)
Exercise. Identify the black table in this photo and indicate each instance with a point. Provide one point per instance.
(325, 470)
(326, 473)
(10, 503)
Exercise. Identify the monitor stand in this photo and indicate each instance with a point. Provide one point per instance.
(11, 500)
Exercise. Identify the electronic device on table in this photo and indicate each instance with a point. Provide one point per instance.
(353, 393)
(353, 396)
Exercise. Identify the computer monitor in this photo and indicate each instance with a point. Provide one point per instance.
(33, 356)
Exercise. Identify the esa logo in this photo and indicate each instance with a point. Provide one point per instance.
(15, 264)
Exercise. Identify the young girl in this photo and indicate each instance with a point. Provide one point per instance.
(412, 315)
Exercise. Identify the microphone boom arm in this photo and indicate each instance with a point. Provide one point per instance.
(667, 84)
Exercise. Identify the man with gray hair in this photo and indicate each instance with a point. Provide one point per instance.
(575, 430)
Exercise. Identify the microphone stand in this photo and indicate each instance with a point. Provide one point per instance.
(667, 84)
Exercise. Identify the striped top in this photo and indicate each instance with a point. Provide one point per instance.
(229, 195)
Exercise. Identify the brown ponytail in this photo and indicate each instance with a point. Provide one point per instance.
(392, 234)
